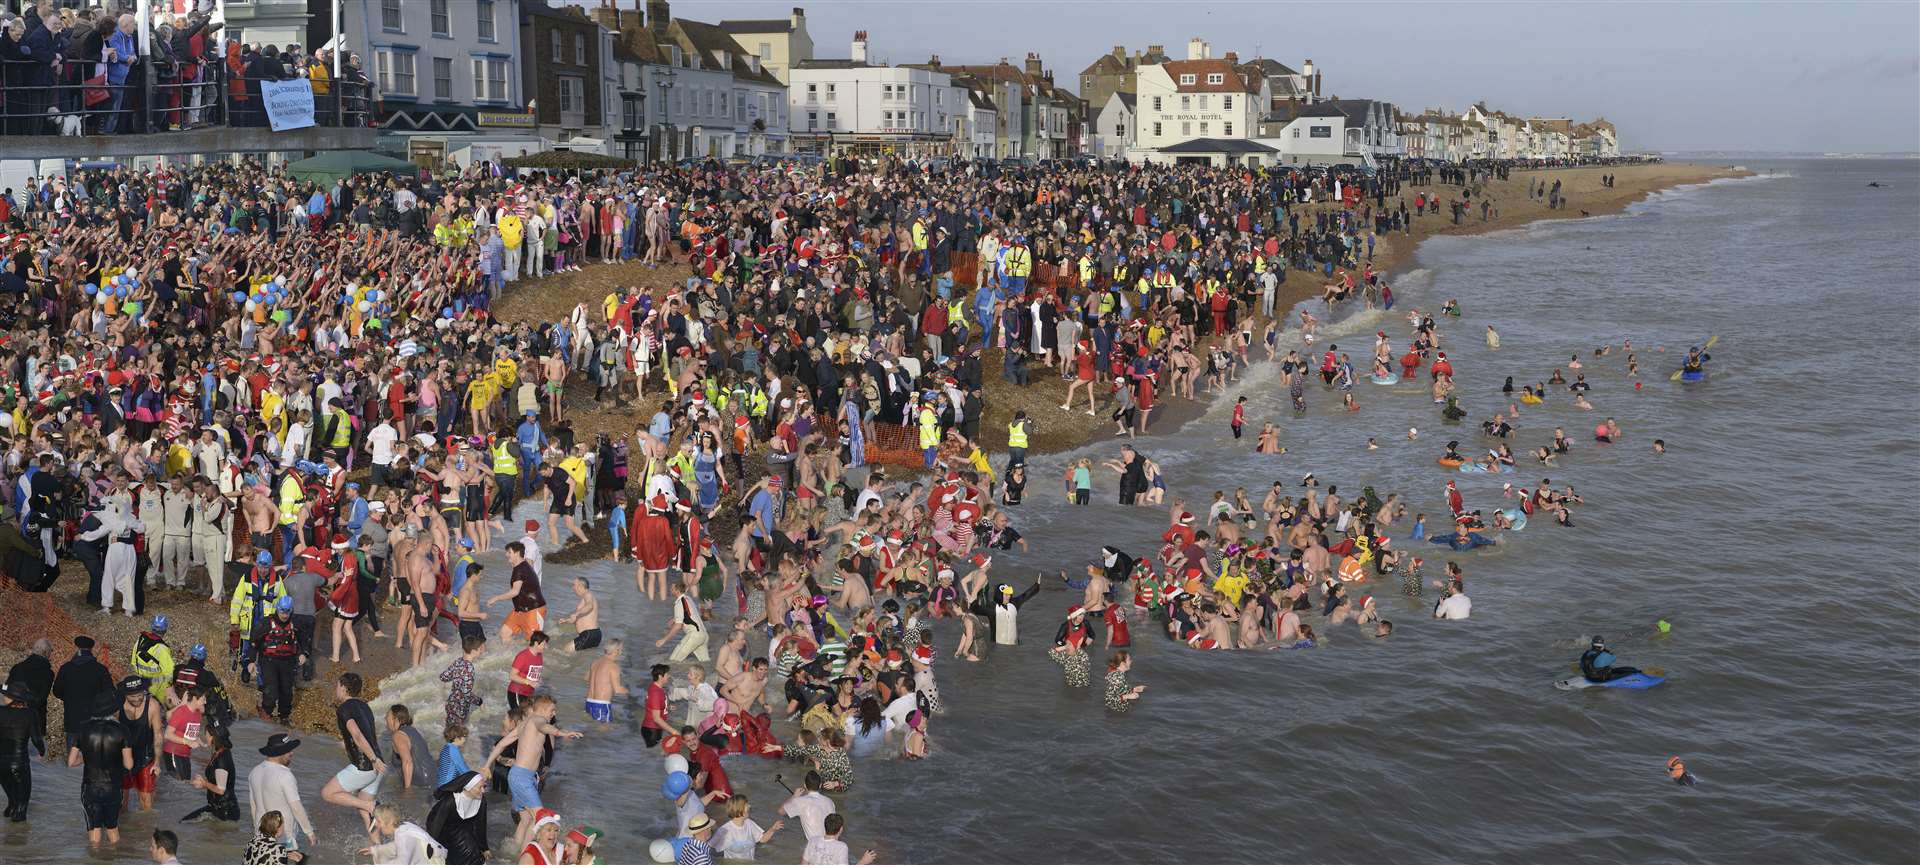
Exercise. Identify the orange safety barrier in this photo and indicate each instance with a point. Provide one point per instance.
(893, 444)
(966, 266)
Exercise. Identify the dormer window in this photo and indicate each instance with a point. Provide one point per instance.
(1187, 78)
(1216, 78)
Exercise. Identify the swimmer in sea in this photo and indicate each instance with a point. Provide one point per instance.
(1561, 444)
(1659, 446)
(1493, 338)
(1573, 361)
(1580, 402)
(603, 683)
(1413, 433)
(585, 617)
(1371, 444)
(1607, 432)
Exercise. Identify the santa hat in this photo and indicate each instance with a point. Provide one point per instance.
(532, 525)
(1185, 518)
(544, 816)
(980, 560)
(339, 541)
(1075, 611)
(659, 503)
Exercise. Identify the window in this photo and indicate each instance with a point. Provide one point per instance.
(1227, 129)
(390, 16)
(1296, 133)
(1186, 128)
(483, 13)
(572, 98)
(442, 22)
(829, 95)
(1229, 102)
(1187, 78)
(1156, 130)
(813, 119)
(553, 46)
(1120, 130)
(580, 49)
(1216, 78)
(1186, 103)
(1203, 103)
(832, 121)
(1156, 103)
(396, 71)
(709, 102)
(1203, 127)
(443, 78)
(630, 113)
(489, 80)
(812, 93)
(723, 102)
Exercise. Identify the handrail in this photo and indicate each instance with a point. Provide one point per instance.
(157, 104)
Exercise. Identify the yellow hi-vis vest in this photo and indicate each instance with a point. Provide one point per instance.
(1017, 434)
(504, 462)
(929, 428)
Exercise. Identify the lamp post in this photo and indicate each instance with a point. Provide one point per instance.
(664, 79)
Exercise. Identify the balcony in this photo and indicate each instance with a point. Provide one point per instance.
(72, 120)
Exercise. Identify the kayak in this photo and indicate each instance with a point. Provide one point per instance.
(1635, 682)
(1693, 375)
(1478, 469)
(1386, 379)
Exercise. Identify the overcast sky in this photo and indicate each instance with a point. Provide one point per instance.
(1746, 76)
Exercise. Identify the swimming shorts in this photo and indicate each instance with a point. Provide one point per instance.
(587, 639)
(652, 736)
(356, 780)
(525, 787)
(471, 628)
(525, 622)
(600, 710)
(141, 779)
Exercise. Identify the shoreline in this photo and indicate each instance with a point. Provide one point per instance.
(1393, 258)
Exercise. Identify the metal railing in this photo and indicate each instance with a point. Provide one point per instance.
(154, 103)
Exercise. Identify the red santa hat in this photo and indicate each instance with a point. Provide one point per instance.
(339, 541)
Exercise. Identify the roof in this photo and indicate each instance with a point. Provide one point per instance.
(758, 25)
(1322, 109)
(981, 100)
(1231, 79)
(709, 42)
(1236, 146)
(834, 64)
(1106, 65)
(1131, 100)
(1268, 67)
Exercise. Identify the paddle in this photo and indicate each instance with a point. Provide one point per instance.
(1710, 341)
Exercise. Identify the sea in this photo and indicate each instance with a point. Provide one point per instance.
(1770, 536)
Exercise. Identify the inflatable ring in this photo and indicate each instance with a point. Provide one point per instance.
(1450, 463)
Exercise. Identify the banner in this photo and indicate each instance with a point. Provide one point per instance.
(289, 103)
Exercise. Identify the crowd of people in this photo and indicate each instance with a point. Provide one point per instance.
(292, 400)
(84, 71)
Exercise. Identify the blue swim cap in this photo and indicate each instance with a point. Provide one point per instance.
(285, 605)
(264, 558)
(160, 624)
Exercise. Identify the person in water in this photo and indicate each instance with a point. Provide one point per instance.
(1596, 664)
(1696, 360)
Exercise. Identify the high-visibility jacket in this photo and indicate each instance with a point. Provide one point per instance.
(1019, 262)
(1086, 271)
(1017, 434)
(154, 665)
(291, 498)
(919, 236)
(504, 461)
(251, 598)
(929, 428)
(342, 429)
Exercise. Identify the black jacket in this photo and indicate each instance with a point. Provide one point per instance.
(80, 682)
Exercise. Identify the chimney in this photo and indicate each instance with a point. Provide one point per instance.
(1120, 52)
(798, 19)
(1033, 64)
(933, 62)
(1198, 49)
(607, 15)
(859, 53)
(659, 16)
(1233, 57)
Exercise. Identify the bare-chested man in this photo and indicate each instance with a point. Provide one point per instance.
(260, 515)
(554, 370)
(748, 688)
(603, 683)
(732, 658)
(523, 778)
(585, 618)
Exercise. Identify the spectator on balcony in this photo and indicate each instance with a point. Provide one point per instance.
(191, 41)
(321, 76)
(41, 47)
(120, 52)
(355, 91)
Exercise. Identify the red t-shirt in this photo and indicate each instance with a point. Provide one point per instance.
(185, 723)
(656, 704)
(528, 663)
(1117, 627)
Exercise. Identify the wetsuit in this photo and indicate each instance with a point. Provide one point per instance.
(1597, 666)
(102, 743)
(18, 731)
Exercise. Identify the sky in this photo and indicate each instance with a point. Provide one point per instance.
(1820, 77)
